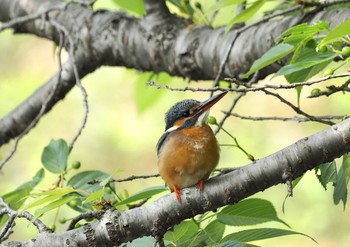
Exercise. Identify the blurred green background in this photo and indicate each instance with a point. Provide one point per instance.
(123, 128)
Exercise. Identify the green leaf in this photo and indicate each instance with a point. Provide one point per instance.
(89, 181)
(146, 96)
(246, 14)
(326, 173)
(136, 7)
(302, 33)
(338, 32)
(97, 195)
(340, 189)
(53, 205)
(182, 233)
(224, 3)
(249, 212)
(304, 64)
(259, 234)
(274, 54)
(17, 198)
(231, 244)
(305, 74)
(49, 196)
(214, 231)
(209, 236)
(55, 155)
(149, 192)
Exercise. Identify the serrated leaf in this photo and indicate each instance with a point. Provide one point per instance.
(135, 6)
(249, 212)
(274, 54)
(326, 173)
(304, 64)
(55, 155)
(181, 234)
(305, 74)
(259, 234)
(97, 195)
(214, 230)
(53, 205)
(149, 192)
(336, 33)
(340, 189)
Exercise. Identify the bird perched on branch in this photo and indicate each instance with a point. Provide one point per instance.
(188, 150)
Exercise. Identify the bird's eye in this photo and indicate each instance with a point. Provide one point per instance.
(186, 113)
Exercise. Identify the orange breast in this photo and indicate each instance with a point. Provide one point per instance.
(188, 156)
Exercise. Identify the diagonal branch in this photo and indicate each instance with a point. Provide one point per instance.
(117, 227)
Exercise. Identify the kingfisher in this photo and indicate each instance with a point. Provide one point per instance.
(188, 150)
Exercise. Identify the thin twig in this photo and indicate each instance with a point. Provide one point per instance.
(71, 52)
(297, 109)
(284, 119)
(133, 178)
(139, 204)
(249, 89)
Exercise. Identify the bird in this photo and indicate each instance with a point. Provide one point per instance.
(188, 151)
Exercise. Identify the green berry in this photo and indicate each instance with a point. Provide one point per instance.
(52, 227)
(315, 91)
(322, 49)
(328, 72)
(212, 120)
(76, 165)
(73, 203)
(345, 51)
(62, 220)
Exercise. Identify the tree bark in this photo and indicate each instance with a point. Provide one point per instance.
(156, 218)
(157, 42)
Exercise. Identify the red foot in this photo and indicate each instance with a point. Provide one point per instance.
(177, 193)
(201, 185)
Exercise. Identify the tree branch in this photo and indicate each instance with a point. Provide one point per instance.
(156, 218)
(158, 42)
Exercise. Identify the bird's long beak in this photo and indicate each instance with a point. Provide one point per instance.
(206, 105)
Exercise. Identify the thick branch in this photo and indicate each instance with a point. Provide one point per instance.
(155, 218)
